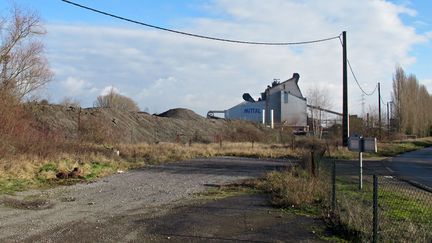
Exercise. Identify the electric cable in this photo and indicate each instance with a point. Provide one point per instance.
(355, 77)
(197, 35)
(356, 80)
(382, 101)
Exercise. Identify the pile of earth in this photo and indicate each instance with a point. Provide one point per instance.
(175, 125)
(181, 113)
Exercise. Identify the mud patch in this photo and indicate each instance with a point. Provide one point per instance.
(246, 218)
(28, 204)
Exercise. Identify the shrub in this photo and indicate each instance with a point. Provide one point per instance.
(20, 133)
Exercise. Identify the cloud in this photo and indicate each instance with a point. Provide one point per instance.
(426, 82)
(106, 90)
(161, 70)
(74, 86)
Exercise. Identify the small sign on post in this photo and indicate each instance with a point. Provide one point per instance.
(361, 145)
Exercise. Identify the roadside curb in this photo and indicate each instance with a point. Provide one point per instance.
(402, 178)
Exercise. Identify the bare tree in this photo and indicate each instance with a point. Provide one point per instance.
(116, 101)
(24, 67)
(70, 102)
(318, 97)
(413, 105)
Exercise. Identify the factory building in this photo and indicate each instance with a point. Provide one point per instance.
(282, 102)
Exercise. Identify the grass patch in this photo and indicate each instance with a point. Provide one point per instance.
(28, 171)
(389, 149)
(296, 192)
(405, 212)
(23, 172)
(294, 188)
(48, 167)
(10, 186)
(100, 169)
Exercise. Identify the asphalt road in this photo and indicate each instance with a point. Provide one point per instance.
(414, 166)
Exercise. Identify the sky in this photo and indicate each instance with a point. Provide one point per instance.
(91, 53)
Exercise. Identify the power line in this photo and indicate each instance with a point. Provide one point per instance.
(382, 101)
(197, 35)
(355, 77)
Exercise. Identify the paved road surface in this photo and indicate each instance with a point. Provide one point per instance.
(415, 166)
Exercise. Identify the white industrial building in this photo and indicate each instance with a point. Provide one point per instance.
(282, 103)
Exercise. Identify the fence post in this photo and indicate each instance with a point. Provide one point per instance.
(375, 209)
(361, 170)
(313, 163)
(333, 199)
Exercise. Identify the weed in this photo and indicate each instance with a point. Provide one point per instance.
(294, 188)
(10, 186)
(48, 167)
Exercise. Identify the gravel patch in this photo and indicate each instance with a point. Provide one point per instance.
(148, 190)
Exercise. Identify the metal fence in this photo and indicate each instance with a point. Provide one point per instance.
(386, 209)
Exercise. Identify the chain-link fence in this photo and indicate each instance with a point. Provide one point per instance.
(385, 209)
(404, 211)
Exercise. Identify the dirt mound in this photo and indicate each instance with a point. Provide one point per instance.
(181, 113)
(105, 125)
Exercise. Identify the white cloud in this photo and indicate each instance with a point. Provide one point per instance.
(75, 86)
(106, 90)
(427, 83)
(162, 70)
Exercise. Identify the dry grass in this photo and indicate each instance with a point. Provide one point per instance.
(20, 172)
(295, 188)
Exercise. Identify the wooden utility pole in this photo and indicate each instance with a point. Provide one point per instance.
(345, 91)
(379, 110)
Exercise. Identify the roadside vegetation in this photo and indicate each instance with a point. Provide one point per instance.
(385, 149)
(405, 211)
(50, 160)
(21, 172)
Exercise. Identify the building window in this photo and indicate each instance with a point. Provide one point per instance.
(285, 97)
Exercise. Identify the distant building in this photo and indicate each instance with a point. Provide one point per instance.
(284, 98)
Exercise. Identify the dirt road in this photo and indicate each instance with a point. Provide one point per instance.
(79, 212)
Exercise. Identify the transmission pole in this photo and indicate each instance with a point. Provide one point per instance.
(345, 91)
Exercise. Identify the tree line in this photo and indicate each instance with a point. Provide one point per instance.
(412, 105)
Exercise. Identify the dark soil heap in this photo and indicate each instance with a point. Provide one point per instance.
(105, 125)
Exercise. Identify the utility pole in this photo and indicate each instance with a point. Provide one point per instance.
(379, 110)
(345, 91)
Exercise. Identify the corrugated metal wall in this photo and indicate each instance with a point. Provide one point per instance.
(249, 111)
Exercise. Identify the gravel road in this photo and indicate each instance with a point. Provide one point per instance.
(148, 191)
